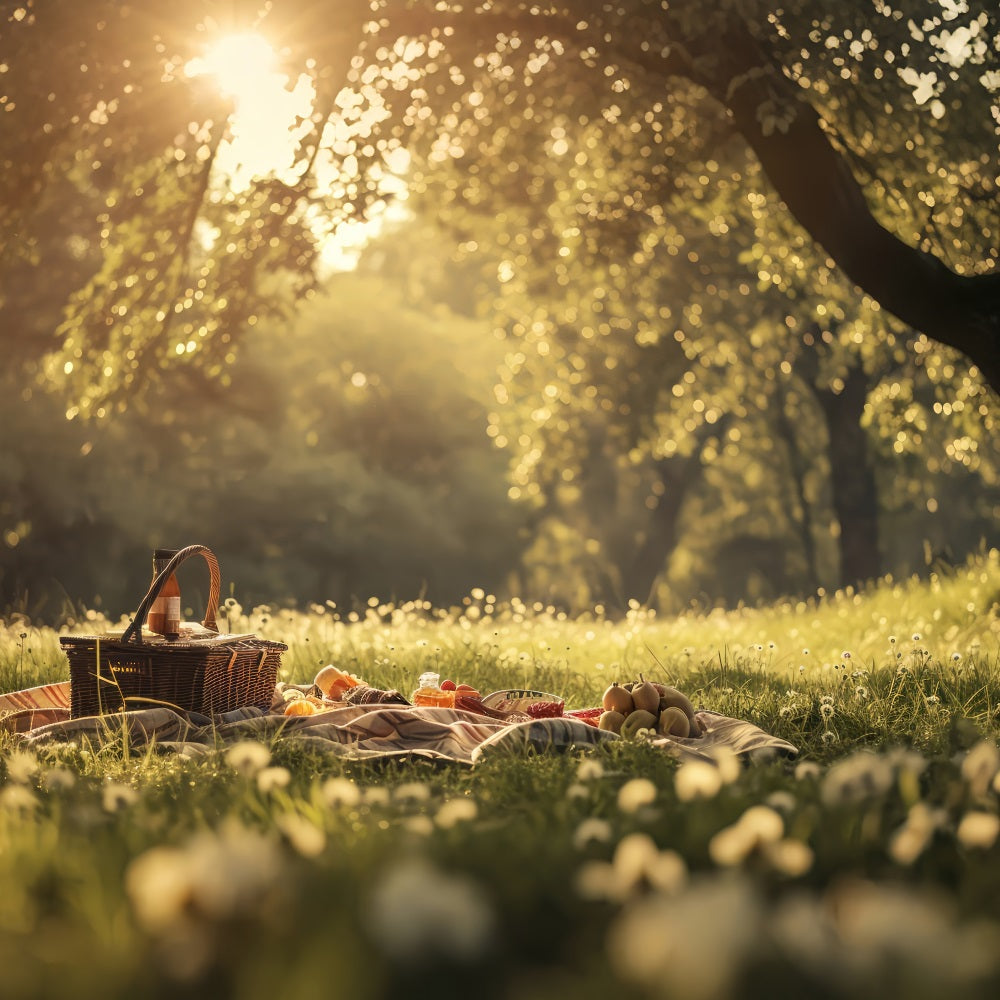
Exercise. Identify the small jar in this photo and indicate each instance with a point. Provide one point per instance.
(429, 692)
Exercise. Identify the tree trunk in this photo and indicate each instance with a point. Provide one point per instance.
(855, 495)
(650, 559)
(802, 516)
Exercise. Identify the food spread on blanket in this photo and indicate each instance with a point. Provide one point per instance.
(627, 709)
(641, 704)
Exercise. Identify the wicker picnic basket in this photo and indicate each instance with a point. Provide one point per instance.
(208, 673)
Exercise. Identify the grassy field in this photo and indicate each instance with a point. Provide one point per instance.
(869, 866)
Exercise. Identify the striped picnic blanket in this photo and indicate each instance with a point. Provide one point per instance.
(42, 714)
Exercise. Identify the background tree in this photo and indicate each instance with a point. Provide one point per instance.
(683, 207)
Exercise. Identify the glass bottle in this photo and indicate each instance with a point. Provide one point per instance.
(165, 612)
(429, 692)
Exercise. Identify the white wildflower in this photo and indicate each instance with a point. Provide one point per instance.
(117, 797)
(980, 765)
(270, 779)
(339, 792)
(411, 791)
(591, 829)
(589, 770)
(978, 829)
(248, 757)
(22, 766)
(456, 811)
(697, 779)
(635, 794)
(863, 775)
(682, 934)
(417, 913)
(910, 840)
(304, 836)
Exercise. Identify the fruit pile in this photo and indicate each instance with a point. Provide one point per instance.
(629, 708)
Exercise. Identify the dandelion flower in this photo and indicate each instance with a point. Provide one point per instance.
(340, 792)
(117, 797)
(270, 779)
(861, 776)
(456, 811)
(635, 794)
(248, 757)
(980, 765)
(808, 771)
(18, 799)
(417, 912)
(589, 770)
(827, 711)
(697, 779)
(591, 829)
(375, 795)
(680, 936)
(730, 846)
(304, 836)
(420, 825)
(790, 857)
(59, 779)
(411, 791)
(978, 829)
(633, 854)
(22, 765)
(909, 841)
(597, 880)
(217, 875)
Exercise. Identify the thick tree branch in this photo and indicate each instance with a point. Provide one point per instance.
(815, 181)
(810, 174)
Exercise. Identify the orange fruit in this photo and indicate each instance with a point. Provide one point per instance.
(300, 706)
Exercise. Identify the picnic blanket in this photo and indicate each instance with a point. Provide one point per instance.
(42, 714)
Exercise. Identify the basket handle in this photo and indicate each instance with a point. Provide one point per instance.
(134, 631)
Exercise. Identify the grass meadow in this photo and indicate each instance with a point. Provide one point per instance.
(868, 866)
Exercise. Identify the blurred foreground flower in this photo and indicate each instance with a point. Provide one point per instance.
(248, 757)
(117, 797)
(980, 766)
(978, 829)
(456, 811)
(637, 863)
(692, 945)
(304, 836)
(214, 876)
(635, 794)
(417, 912)
(860, 776)
(22, 765)
(270, 779)
(697, 779)
(909, 841)
(339, 792)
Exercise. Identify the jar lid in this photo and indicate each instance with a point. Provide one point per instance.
(166, 554)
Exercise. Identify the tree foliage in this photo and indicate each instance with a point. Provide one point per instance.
(715, 240)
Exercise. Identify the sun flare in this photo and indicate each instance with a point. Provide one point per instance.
(271, 114)
(242, 65)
